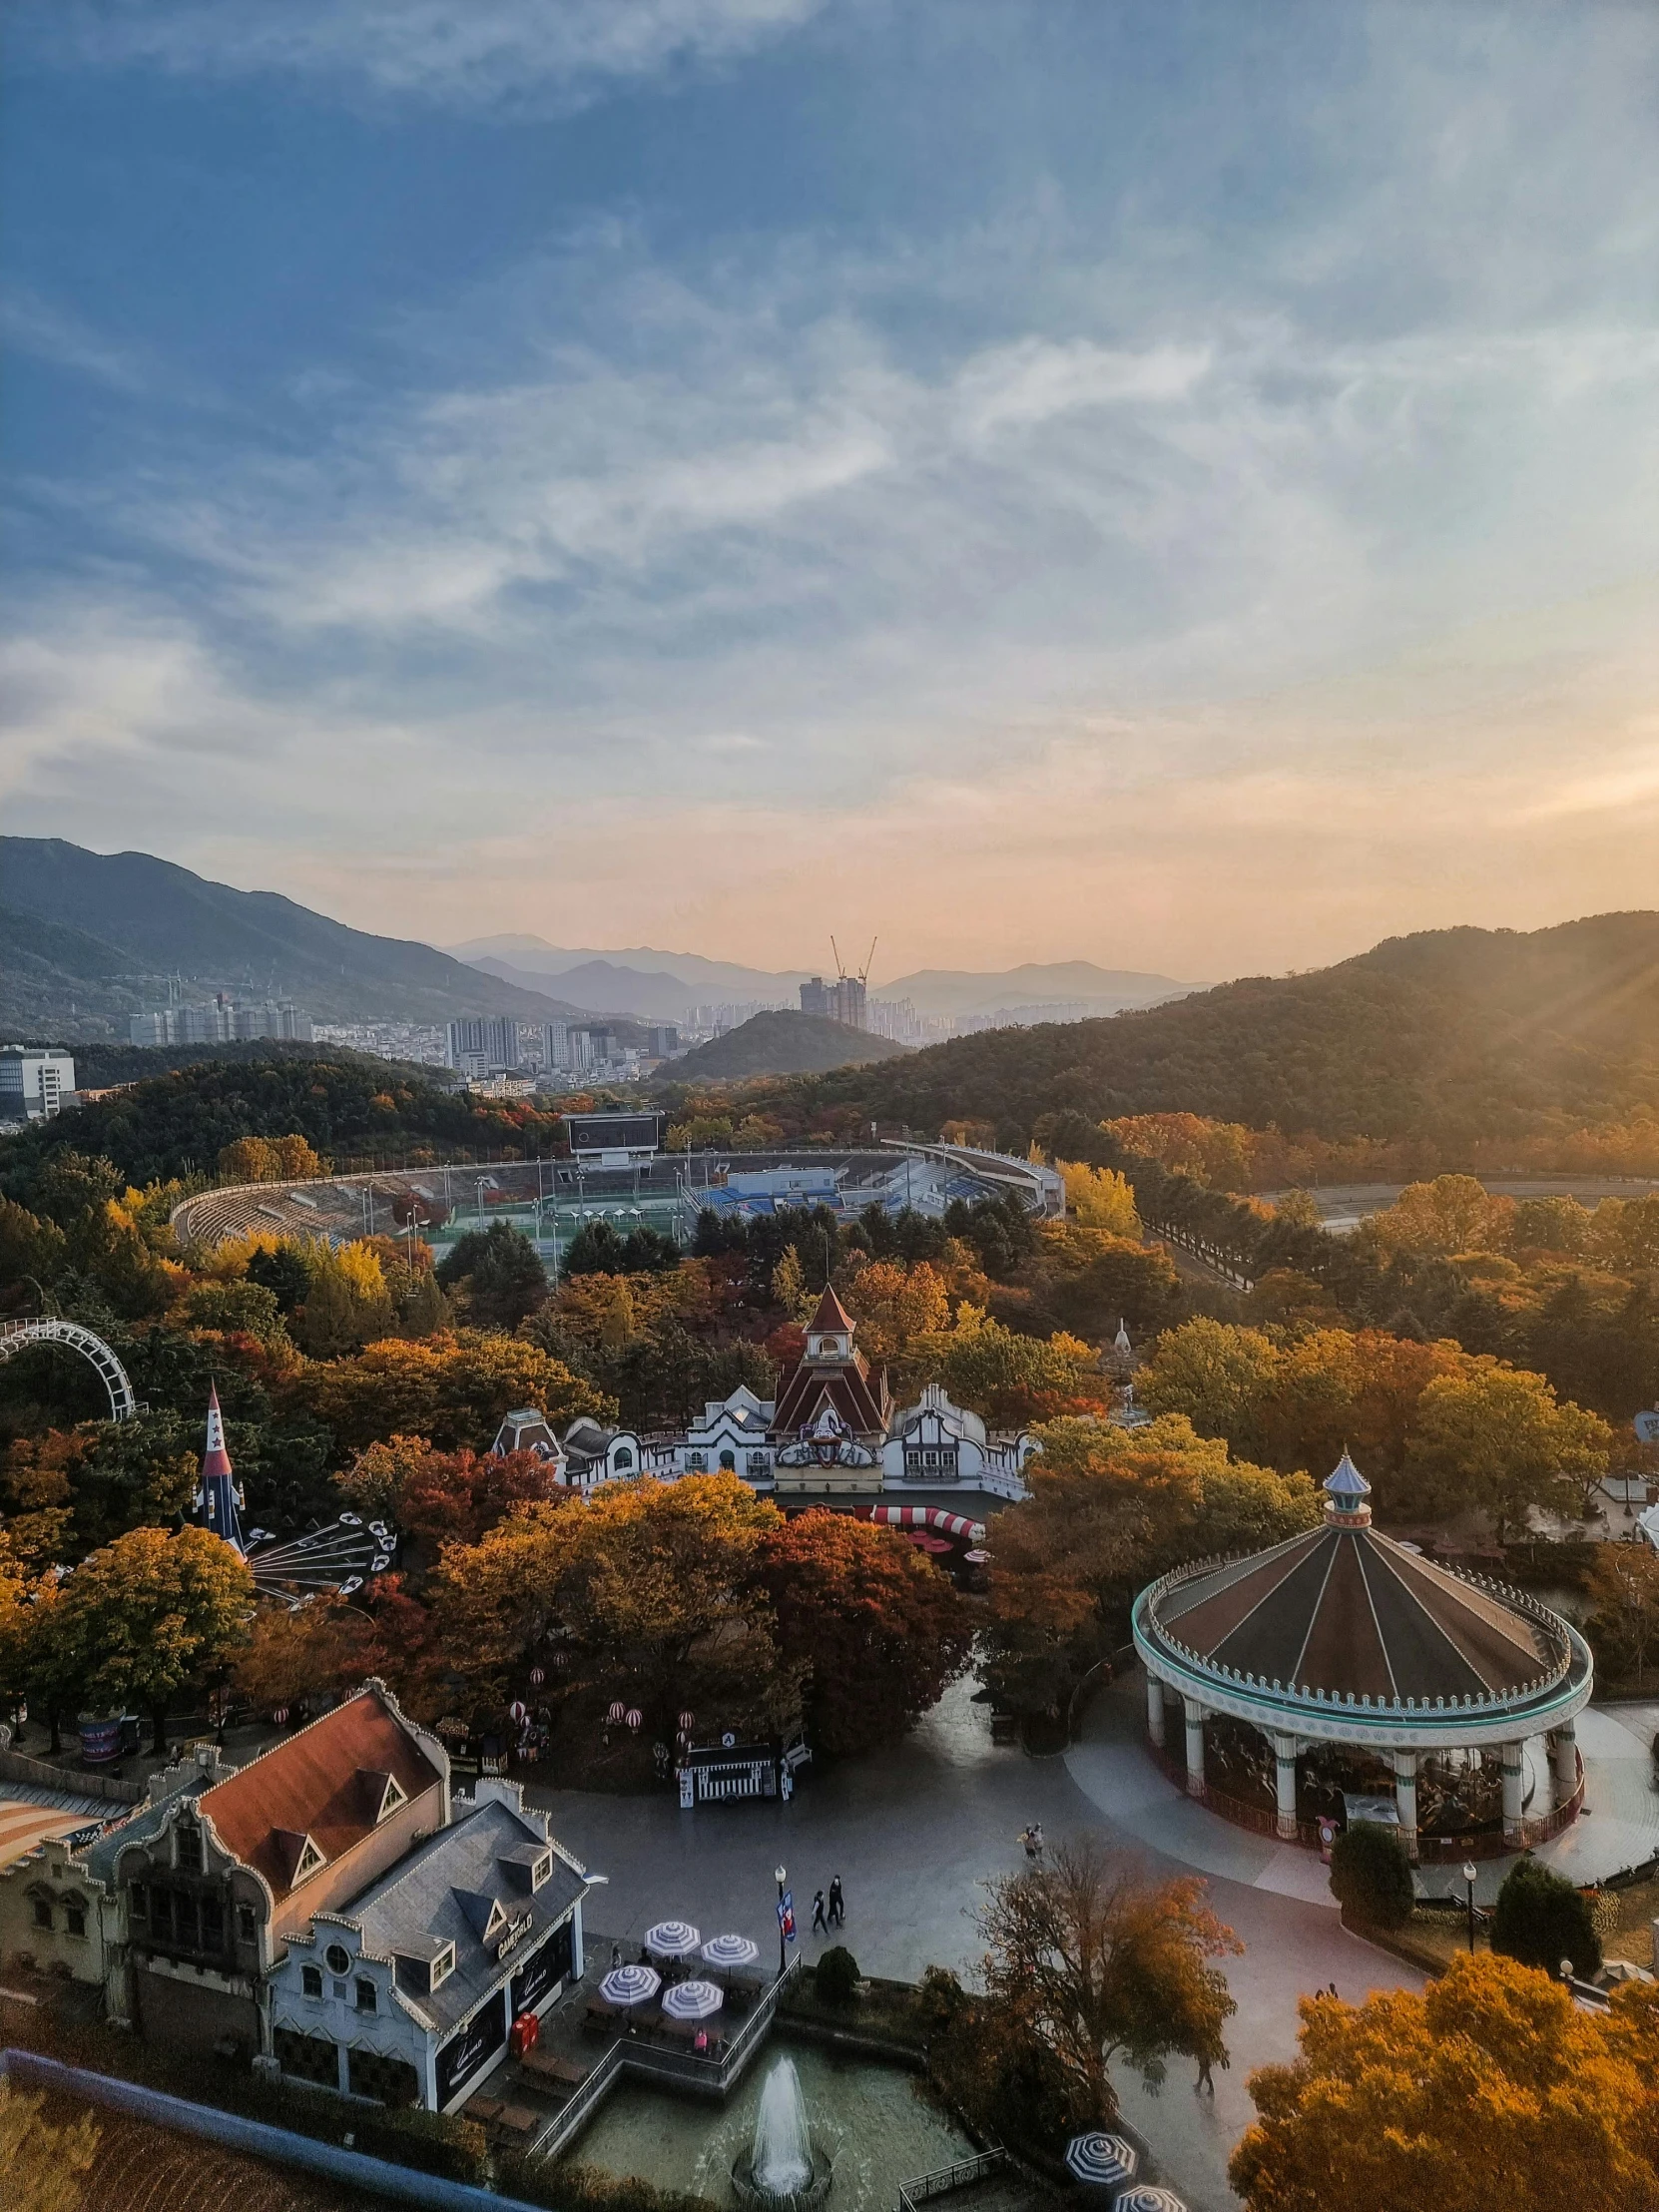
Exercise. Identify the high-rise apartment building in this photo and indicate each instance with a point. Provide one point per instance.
(34, 1086)
(220, 1022)
(490, 1038)
(817, 997)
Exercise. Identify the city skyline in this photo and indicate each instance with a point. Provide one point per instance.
(1150, 485)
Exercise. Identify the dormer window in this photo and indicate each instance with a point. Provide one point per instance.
(541, 1870)
(443, 1966)
(383, 1794)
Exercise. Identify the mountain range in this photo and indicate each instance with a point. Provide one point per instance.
(88, 938)
(1440, 1037)
(663, 986)
(782, 1043)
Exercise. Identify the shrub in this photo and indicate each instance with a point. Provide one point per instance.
(1370, 1874)
(837, 1976)
(1541, 1919)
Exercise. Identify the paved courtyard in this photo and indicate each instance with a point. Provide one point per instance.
(913, 1831)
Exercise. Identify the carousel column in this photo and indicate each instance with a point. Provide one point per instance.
(1284, 1752)
(1515, 1811)
(1405, 1798)
(1565, 1748)
(1155, 1708)
(1196, 1784)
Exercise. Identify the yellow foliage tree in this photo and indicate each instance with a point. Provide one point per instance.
(270, 1160)
(43, 2160)
(1488, 2092)
(1453, 1213)
(1100, 1198)
(893, 1304)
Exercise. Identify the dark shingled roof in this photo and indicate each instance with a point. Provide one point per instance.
(1350, 1612)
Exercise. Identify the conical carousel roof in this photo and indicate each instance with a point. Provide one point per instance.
(1347, 1613)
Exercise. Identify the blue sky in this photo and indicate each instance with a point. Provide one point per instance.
(1167, 483)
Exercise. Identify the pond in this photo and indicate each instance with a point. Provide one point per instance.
(868, 2118)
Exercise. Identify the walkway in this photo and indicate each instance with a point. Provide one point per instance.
(913, 1831)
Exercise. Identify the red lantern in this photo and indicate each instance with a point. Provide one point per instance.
(538, 1675)
(519, 1711)
(686, 1720)
(616, 1712)
(634, 1716)
(280, 1716)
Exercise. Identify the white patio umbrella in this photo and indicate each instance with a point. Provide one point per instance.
(671, 1939)
(631, 1985)
(693, 2000)
(1149, 2199)
(730, 1952)
(1104, 2162)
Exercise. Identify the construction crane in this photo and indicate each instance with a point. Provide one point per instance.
(863, 975)
(851, 989)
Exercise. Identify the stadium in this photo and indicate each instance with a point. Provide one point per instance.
(616, 1171)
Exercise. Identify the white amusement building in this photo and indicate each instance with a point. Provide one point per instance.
(1346, 1666)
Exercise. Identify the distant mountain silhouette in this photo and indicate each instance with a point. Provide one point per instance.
(88, 938)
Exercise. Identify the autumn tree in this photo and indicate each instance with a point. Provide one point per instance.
(43, 2159)
(1453, 1213)
(879, 1630)
(270, 1160)
(892, 1305)
(30, 1248)
(1496, 1439)
(314, 1650)
(457, 1497)
(1218, 1376)
(452, 1389)
(655, 1587)
(348, 1303)
(151, 1613)
(1624, 1627)
(1488, 2092)
(1100, 1198)
(1109, 1510)
(1102, 1966)
(1010, 1380)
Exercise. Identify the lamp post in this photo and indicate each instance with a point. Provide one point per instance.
(1469, 1877)
(1566, 1976)
(780, 1874)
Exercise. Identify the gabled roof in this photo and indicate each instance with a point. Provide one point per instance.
(318, 1787)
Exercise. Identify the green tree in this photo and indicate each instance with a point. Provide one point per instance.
(1219, 1375)
(237, 1309)
(1495, 1439)
(1370, 1874)
(151, 1613)
(285, 1271)
(498, 1274)
(1540, 1918)
(29, 1247)
(836, 1976)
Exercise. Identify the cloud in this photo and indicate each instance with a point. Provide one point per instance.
(31, 325)
(464, 53)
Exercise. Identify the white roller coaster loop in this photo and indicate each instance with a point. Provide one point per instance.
(18, 1335)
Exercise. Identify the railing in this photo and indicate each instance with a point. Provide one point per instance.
(706, 2077)
(943, 2179)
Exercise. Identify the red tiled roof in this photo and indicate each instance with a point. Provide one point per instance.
(318, 1784)
(860, 1398)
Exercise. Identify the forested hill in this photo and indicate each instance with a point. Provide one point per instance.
(352, 1109)
(1449, 1034)
(784, 1043)
(99, 933)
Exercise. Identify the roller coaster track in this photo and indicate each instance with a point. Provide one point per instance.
(18, 1335)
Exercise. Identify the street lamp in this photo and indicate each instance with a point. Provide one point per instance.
(1469, 1877)
(780, 1874)
(1567, 1975)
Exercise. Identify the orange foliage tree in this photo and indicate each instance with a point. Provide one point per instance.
(452, 1389)
(1488, 2092)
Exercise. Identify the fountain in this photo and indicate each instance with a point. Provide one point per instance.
(781, 2168)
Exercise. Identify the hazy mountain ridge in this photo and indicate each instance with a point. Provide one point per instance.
(139, 919)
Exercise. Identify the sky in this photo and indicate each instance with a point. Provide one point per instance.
(1165, 483)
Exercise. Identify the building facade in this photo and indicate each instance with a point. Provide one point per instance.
(34, 1086)
(406, 1994)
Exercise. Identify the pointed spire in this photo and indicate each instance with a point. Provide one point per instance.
(831, 1314)
(215, 1459)
(1121, 1342)
(1346, 1492)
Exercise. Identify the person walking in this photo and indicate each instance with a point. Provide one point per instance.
(1204, 2082)
(819, 1924)
(837, 1902)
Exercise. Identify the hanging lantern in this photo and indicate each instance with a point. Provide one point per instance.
(616, 1712)
(519, 1711)
(561, 1660)
(538, 1675)
(686, 1720)
(280, 1716)
(634, 1716)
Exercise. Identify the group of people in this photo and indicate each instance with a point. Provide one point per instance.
(831, 1915)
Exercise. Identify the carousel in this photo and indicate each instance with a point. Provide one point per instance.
(1342, 1675)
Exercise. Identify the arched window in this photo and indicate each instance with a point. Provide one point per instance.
(624, 1459)
(696, 1462)
(728, 1462)
(40, 1909)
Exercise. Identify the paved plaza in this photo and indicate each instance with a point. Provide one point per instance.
(913, 1831)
